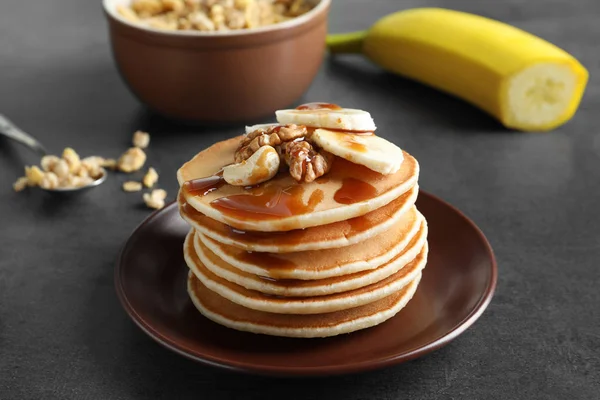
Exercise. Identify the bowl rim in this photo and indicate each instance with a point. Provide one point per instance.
(110, 10)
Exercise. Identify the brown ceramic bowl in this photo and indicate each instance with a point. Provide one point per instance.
(219, 76)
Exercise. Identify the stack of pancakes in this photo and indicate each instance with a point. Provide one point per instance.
(315, 259)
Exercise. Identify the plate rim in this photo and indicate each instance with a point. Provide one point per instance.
(326, 370)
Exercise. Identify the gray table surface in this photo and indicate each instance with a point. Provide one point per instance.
(63, 334)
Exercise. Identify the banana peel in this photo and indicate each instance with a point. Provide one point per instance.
(522, 80)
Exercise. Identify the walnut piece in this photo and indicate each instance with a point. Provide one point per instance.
(273, 136)
(306, 164)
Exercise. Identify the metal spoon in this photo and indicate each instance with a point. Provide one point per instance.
(11, 131)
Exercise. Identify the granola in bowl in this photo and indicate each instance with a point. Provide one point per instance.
(212, 15)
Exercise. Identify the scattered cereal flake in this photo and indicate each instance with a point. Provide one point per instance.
(161, 23)
(109, 163)
(184, 24)
(96, 173)
(74, 181)
(296, 7)
(150, 178)
(49, 181)
(72, 158)
(221, 26)
(93, 161)
(34, 175)
(85, 181)
(217, 13)
(153, 201)
(252, 15)
(242, 4)
(83, 171)
(132, 186)
(93, 165)
(61, 169)
(202, 22)
(235, 19)
(127, 13)
(48, 163)
(173, 5)
(20, 184)
(159, 194)
(147, 7)
(132, 160)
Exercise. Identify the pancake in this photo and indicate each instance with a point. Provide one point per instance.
(334, 235)
(347, 191)
(317, 287)
(321, 264)
(229, 314)
(302, 305)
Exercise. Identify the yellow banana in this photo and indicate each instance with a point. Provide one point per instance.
(521, 79)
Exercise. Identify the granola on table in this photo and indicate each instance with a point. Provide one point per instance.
(71, 171)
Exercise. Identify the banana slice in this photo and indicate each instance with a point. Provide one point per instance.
(252, 128)
(260, 167)
(372, 151)
(345, 119)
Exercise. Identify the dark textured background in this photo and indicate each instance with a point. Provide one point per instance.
(63, 334)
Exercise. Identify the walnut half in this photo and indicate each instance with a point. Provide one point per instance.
(306, 164)
(293, 145)
(273, 136)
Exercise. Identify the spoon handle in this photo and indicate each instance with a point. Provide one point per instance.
(11, 131)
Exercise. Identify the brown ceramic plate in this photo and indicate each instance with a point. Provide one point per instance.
(457, 285)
